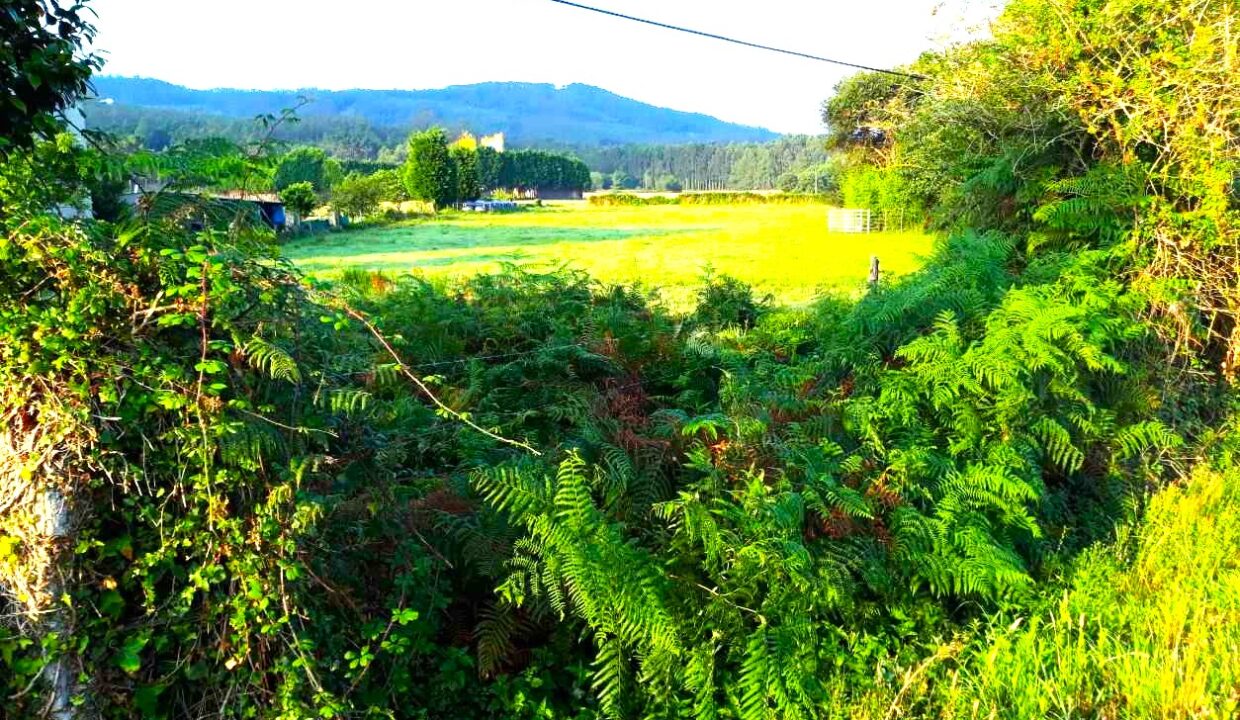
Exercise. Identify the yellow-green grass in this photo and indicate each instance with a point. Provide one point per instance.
(1148, 635)
(1146, 627)
(784, 250)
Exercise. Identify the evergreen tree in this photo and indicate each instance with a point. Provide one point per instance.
(468, 184)
(490, 167)
(430, 173)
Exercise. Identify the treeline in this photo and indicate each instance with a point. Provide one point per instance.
(341, 136)
(794, 164)
(623, 199)
(530, 113)
(434, 171)
(448, 174)
(536, 170)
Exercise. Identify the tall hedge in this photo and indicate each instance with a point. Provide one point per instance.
(430, 174)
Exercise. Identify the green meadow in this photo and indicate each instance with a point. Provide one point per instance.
(782, 250)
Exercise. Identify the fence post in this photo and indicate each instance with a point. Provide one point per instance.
(874, 273)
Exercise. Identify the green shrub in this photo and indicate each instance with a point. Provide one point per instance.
(357, 196)
(724, 301)
(1153, 634)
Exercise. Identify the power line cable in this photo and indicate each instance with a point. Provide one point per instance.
(736, 41)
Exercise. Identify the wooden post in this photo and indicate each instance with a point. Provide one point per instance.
(874, 273)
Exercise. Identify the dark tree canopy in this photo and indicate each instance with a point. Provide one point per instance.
(307, 164)
(704, 166)
(490, 165)
(43, 69)
(543, 171)
(468, 184)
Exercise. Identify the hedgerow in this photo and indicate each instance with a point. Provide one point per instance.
(707, 198)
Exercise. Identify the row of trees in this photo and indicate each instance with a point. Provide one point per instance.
(435, 172)
(445, 175)
(742, 166)
(702, 166)
(342, 136)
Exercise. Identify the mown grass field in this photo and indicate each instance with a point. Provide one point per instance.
(784, 250)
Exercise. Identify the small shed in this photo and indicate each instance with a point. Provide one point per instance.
(202, 209)
(269, 205)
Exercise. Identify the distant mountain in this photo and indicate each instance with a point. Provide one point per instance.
(529, 114)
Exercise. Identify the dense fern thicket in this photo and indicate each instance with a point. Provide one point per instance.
(274, 518)
(265, 507)
(531, 496)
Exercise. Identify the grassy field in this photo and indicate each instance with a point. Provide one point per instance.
(784, 250)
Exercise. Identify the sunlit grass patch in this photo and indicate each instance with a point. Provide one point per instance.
(783, 250)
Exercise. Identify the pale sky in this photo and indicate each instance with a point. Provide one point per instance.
(419, 44)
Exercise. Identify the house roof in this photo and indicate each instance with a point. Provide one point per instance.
(239, 195)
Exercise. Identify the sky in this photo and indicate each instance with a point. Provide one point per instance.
(422, 44)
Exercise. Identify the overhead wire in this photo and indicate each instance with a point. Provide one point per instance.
(736, 41)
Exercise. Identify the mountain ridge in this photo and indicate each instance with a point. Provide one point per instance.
(528, 113)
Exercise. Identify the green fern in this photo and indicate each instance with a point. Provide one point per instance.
(610, 671)
(272, 360)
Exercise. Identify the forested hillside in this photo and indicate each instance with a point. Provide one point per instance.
(1002, 486)
(790, 163)
(629, 145)
(529, 114)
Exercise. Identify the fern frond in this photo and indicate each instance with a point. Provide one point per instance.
(608, 678)
(495, 631)
(272, 360)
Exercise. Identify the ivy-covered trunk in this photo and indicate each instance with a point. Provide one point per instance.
(39, 471)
